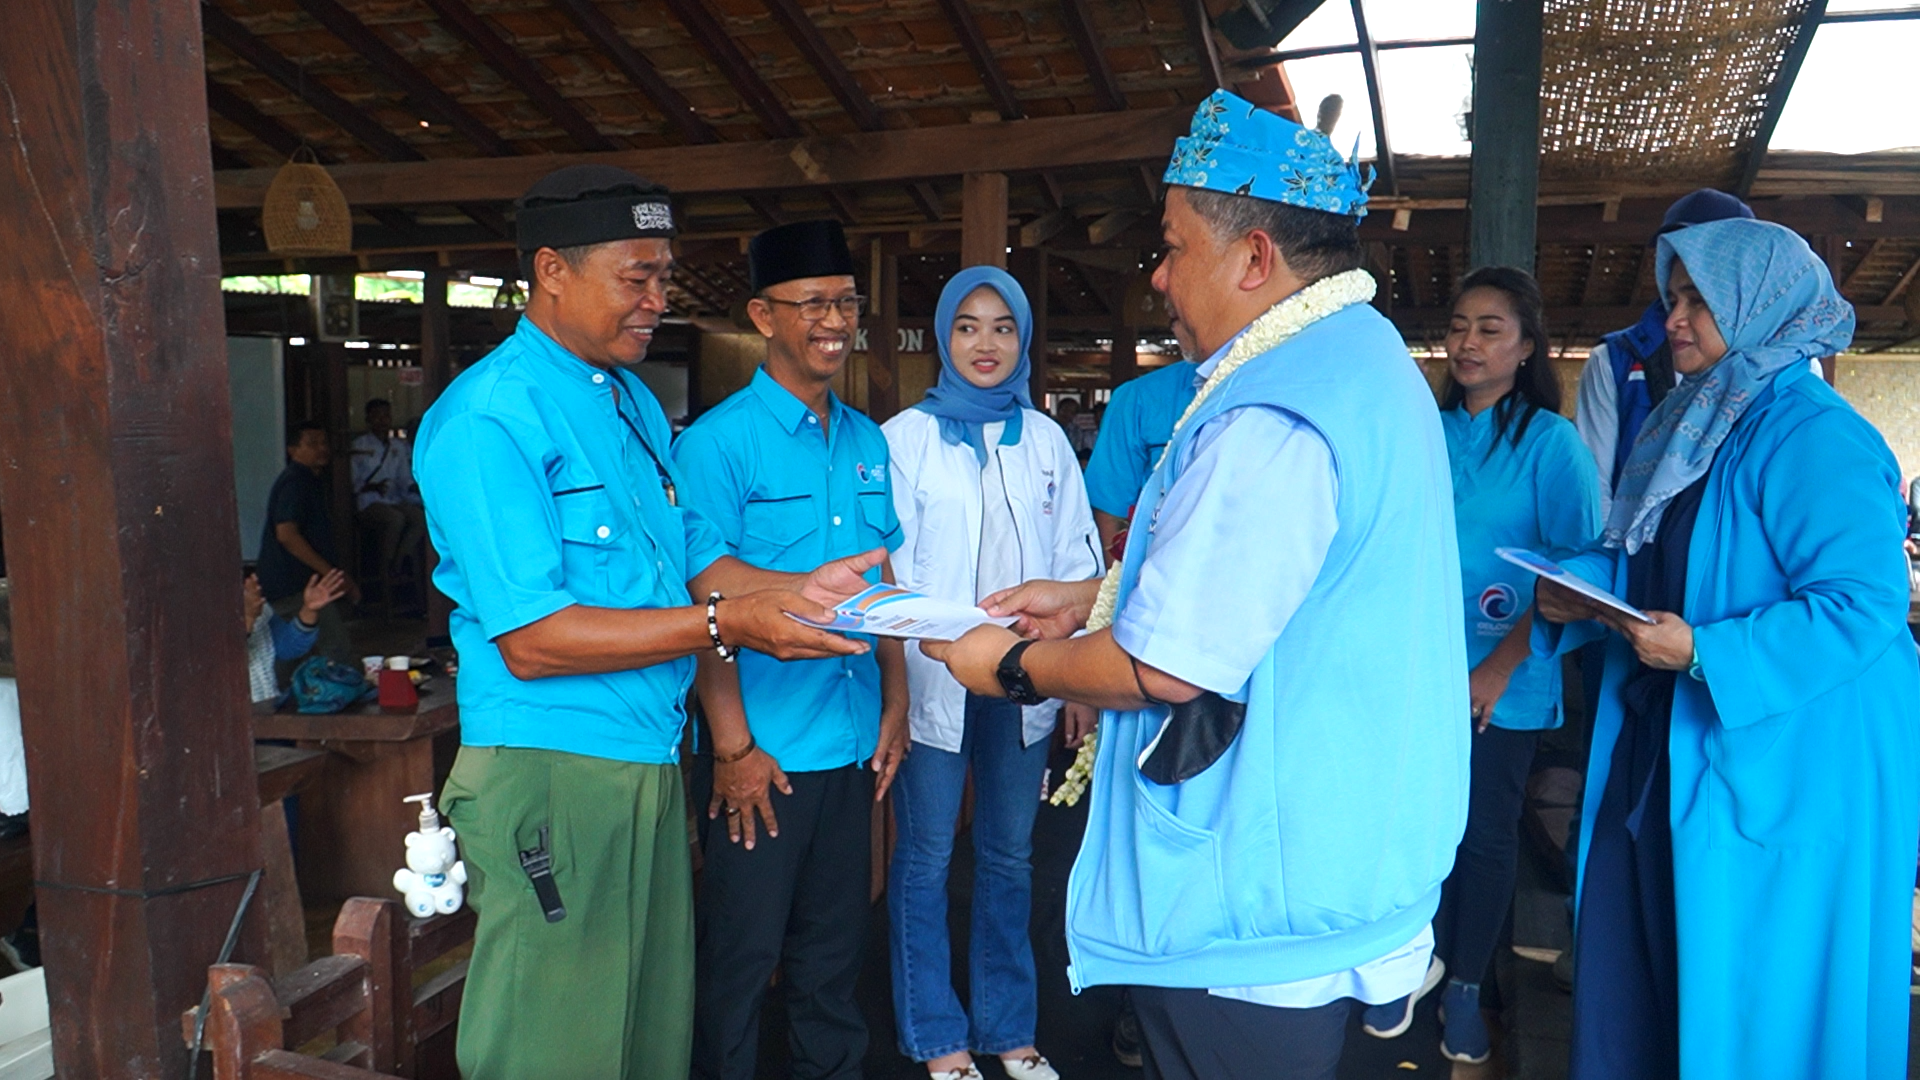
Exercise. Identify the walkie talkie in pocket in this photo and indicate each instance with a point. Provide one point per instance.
(538, 863)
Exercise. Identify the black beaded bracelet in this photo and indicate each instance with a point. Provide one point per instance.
(727, 652)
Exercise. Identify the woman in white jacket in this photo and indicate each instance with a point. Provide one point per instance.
(989, 495)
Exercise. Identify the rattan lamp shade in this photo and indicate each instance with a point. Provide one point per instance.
(305, 214)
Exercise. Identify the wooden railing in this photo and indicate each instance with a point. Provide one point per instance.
(363, 996)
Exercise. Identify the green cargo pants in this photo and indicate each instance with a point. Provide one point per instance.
(607, 992)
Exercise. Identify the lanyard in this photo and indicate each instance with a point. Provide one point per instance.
(666, 479)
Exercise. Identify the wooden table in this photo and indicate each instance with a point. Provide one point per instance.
(353, 822)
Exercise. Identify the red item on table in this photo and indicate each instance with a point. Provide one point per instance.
(396, 691)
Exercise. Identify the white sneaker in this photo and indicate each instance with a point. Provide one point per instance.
(1031, 1067)
(970, 1072)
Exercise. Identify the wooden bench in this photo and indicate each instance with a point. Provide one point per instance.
(363, 996)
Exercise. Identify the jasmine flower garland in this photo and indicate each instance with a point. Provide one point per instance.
(1282, 321)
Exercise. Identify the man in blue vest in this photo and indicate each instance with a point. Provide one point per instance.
(1282, 769)
(1631, 370)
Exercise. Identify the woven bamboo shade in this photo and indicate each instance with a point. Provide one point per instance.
(304, 212)
(1658, 90)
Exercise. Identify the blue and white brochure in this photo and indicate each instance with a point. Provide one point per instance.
(1537, 563)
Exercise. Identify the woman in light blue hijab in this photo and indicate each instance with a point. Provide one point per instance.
(989, 496)
(1753, 796)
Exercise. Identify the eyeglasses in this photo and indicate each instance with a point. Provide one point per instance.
(815, 308)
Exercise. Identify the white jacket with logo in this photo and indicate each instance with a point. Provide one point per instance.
(937, 493)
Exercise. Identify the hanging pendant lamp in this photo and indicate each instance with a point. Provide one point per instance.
(304, 212)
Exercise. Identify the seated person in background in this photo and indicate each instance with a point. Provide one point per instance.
(386, 501)
(298, 539)
(271, 638)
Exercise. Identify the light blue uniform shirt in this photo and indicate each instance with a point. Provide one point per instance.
(1543, 495)
(542, 491)
(786, 496)
(1240, 538)
(1138, 422)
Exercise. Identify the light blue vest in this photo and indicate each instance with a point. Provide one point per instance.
(1318, 842)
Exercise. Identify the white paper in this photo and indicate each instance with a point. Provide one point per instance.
(1554, 572)
(891, 611)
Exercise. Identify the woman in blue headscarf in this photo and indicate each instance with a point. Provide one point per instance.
(989, 496)
(1753, 797)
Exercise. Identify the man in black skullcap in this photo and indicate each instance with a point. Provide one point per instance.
(583, 590)
(798, 752)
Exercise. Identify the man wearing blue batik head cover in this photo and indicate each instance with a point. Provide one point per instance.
(1282, 769)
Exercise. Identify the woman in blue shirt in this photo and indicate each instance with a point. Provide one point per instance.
(1753, 793)
(1521, 478)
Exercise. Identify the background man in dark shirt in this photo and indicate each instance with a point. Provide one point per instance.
(297, 542)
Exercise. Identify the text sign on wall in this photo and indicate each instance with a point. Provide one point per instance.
(905, 340)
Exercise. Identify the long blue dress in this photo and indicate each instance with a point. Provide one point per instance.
(1795, 766)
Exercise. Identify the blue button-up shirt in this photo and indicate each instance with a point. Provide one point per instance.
(1138, 422)
(788, 496)
(544, 482)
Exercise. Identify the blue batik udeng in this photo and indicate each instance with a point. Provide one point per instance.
(1776, 306)
(1239, 148)
(963, 408)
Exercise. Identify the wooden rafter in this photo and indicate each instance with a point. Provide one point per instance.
(843, 205)
(1900, 286)
(242, 43)
(1080, 24)
(1777, 95)
(1200, 27)
(639, 71)
(1370, 65)
(926, 199)
(718, 44)
(967, 29)
(1860, 268)
(813, 46)
(520, 71)
(1013, 146)
(421, 90)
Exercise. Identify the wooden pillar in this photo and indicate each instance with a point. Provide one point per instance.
(340, 420)
(883, 366)
(122, 535)
(1505, 184)
(1123, 361)
(983, 220)
(1030, 266)
(436, 369)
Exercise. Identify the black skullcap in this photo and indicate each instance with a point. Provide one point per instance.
(802, 249)
(1701, 207)
(591, 204)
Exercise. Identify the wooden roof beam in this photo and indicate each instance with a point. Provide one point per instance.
(1860, 268)
(421, 90)
(1106, 91)
(1370, 65)
(1777, 96)
(925, 199)
(967, 29)
(1900, 286)
(1013, 146)
(639, 71)
(1200, 28)
(812, 45)
(718, 44)
(520, 71)
(242, 43)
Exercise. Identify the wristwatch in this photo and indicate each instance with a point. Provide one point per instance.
(1014, 678)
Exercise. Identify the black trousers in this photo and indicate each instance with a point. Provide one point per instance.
(1479, 892)
(1192, 1035)
(798, 901)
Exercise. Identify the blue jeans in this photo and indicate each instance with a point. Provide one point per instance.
(926, 806)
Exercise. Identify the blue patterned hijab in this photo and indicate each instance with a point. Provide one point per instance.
(1776, 306)
(963, 408)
